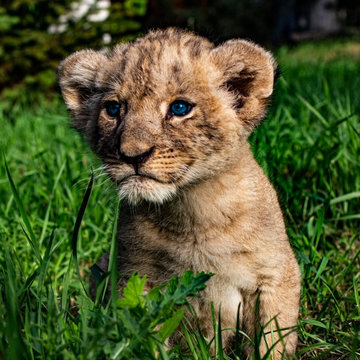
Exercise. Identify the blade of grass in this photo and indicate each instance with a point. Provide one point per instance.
(16, 346)
(313, 110)
(220, 351)
(65, 287)
(32, 245)
(46, 219)
(340, 121)
(77, 226)
(112, 269)
(42, 273)
(356, 294)
(321, 268)
(23, 214)
(348, 217)
(190, 342)
(346, 197)
(213, 317)
(237, 331)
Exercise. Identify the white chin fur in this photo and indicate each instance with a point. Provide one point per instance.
(137, 190)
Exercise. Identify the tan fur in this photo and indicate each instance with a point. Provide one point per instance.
(199, 201)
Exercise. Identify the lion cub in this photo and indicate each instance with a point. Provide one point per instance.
(169, 115)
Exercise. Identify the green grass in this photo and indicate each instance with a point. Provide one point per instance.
(309, 146)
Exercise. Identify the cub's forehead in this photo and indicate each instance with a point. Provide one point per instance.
(168, 61)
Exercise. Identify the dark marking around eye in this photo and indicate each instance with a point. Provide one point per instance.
(112, 109)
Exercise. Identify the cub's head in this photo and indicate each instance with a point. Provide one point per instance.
(167, 110)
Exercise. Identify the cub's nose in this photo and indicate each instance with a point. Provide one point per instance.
(137, 160)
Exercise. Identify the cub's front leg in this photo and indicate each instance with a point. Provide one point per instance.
(275, 306)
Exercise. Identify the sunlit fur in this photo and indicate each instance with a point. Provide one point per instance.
(198, 200)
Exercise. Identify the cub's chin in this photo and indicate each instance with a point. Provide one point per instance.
(137, 189)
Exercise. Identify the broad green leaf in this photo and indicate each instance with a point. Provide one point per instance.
(133, 292)
(190, 285)
(155, 293)
(170, 325)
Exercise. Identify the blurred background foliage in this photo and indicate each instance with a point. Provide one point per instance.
(35, 35)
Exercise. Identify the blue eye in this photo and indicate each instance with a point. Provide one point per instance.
(180, 108)
(112, 108)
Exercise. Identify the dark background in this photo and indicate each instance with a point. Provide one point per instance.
(36, 34)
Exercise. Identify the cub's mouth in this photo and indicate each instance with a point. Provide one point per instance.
(138, 188)
(140, 178)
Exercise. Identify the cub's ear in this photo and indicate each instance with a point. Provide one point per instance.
(247, 72)
(79, 79)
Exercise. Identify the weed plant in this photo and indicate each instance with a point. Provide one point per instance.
(309, 146)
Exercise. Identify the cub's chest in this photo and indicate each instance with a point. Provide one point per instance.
(161, 253)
